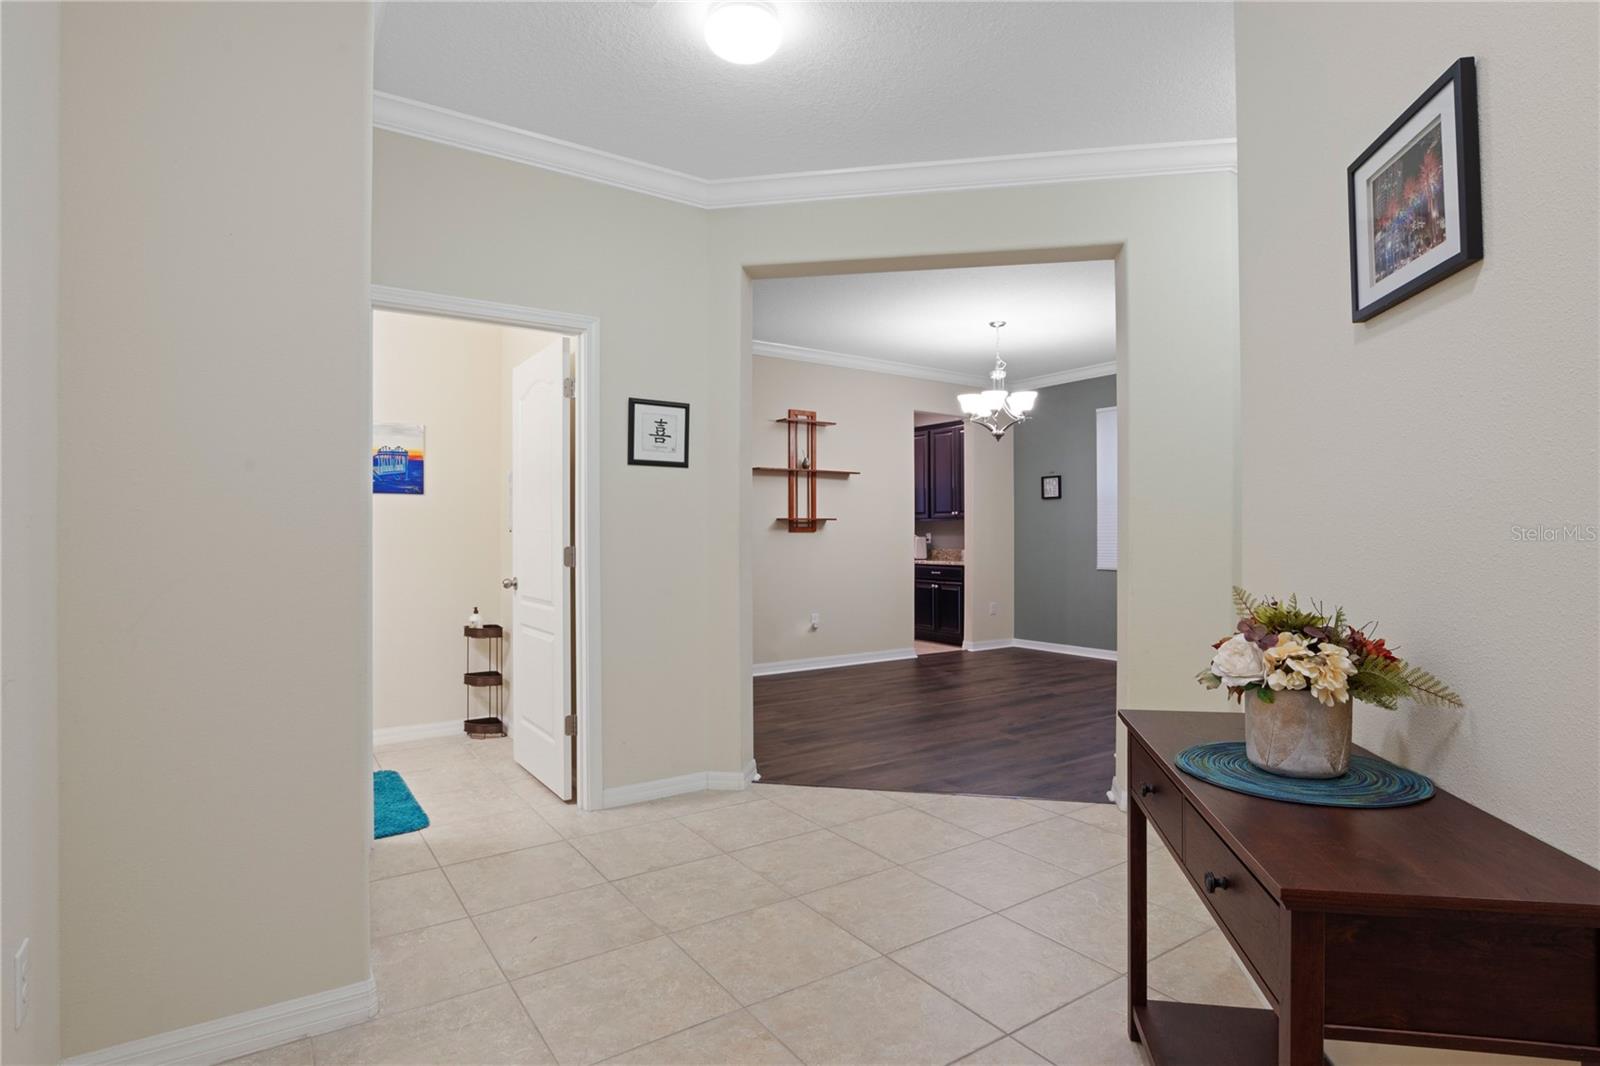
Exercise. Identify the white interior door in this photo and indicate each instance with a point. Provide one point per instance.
(541, 602)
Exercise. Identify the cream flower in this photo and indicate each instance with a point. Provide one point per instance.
(1331, 673)
(1279, 680)
(1238, 662)
(1285, 651)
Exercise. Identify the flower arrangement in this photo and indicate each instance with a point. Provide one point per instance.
(1279, 646)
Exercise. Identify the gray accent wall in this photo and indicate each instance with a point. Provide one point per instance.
(1061, 597)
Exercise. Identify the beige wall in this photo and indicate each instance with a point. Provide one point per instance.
(435, 556)
(215, 509)
(438, 555)
(29, 300)
(455, 222)
(669, 286)
(1174, 238)
(1477, 400)
(858, 571)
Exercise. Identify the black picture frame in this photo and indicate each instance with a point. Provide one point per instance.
(636, 406)
(1050, 487)
(1461, 166)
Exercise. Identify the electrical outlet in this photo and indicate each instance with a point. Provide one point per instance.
(816, 619)
(22, 972)
(994, 608)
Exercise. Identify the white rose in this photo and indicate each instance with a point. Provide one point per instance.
(1238, 662)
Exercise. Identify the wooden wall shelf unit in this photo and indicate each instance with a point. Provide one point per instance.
(803, 472)
(1435, 925)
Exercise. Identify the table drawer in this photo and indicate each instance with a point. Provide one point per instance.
(1149, 784)
(1251, 915)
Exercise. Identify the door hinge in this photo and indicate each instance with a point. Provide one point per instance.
(569, 725)
(569, 556)
(569, 388)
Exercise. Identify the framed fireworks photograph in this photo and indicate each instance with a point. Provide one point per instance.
(1416, 214)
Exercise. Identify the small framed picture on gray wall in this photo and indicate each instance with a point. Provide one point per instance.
(1050, 487)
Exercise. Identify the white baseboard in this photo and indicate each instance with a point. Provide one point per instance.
(661, 788)
(828, 662)
(241, 1034)
(400, 734)
(986, 645)
(732, 780)
(1107, 654)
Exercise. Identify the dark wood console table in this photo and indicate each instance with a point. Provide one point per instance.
(1436, 925)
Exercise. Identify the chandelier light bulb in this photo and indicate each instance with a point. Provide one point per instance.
(743, 31)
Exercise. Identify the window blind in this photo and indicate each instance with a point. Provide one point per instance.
(1105, 479)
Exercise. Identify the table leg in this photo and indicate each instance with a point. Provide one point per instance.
(1138, 873)
(1300, 1012)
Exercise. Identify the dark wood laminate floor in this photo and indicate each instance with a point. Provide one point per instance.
(1003, 723)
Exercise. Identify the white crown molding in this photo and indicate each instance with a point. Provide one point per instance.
(988, 172)
(774, 350)
(862, 362)
(1061, 377)
(247, 1032)
(416, 119)
(829, 662)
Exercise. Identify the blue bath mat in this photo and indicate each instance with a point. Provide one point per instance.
(394, 809)
(1370, 782)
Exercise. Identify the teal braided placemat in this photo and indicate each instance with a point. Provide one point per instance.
(1370, 782)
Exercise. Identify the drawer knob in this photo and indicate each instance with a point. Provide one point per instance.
(1215, 883)
(1145, 790)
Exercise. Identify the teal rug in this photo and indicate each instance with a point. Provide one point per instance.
(1370, 781)
(394, 809)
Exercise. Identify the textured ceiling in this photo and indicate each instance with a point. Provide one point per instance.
(855, 84)
(1059, 316)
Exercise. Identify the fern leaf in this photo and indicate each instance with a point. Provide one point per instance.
(1379, 682)
(1243, 604)
(1427, 689)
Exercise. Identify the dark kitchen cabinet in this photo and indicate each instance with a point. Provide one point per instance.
(939, 605)
(938, 469)
(920, 471)
(923, 607)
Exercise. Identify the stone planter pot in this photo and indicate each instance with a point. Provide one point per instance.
(1296, 736)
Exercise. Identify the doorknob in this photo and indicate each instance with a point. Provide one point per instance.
(508, 583)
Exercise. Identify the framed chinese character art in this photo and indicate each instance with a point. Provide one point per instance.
(658, 433)
(1416, 216)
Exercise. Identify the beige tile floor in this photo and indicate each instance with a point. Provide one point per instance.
(779, 924)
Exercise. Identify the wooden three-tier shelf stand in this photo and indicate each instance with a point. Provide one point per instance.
(803, 471)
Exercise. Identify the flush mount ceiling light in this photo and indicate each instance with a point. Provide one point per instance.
(743, 31)
(995, 409)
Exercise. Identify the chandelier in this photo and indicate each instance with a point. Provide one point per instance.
(995, 409)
